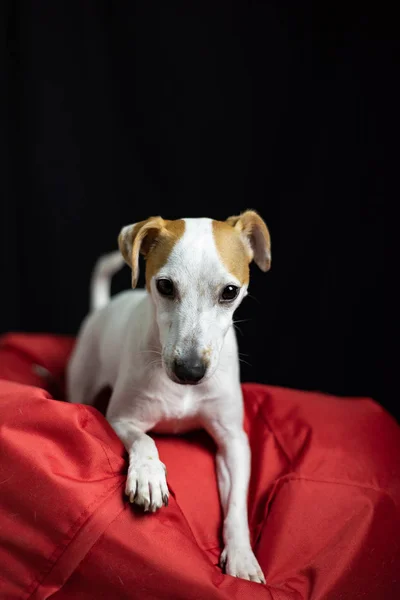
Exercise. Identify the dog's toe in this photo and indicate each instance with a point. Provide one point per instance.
(131, 491)
(155, 495)
(143, 493)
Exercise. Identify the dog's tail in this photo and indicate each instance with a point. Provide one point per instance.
(100, 286)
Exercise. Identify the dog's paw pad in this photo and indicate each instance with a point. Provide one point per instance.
(239, 561)
(146, 485)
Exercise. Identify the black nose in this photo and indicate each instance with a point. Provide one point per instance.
(189, 370)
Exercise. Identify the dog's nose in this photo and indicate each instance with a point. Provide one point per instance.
(189, 370)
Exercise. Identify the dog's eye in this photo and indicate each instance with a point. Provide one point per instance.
(229, 293)
(165, 287)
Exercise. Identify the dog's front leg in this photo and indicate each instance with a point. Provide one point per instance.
(233, 473)
(146, 483)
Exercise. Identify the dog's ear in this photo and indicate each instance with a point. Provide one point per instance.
(256, 237)
(139, 238)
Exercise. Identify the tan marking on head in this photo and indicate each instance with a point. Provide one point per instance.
(232, 250)
(155, 239)
(158, 254)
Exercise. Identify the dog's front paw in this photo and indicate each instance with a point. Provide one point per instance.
(146, 484)
(239, 561)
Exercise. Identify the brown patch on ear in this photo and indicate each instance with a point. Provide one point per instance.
(256, 235)
(154, 238)
(232, 250)
(138, 238)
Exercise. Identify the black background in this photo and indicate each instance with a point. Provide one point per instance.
(115, 111)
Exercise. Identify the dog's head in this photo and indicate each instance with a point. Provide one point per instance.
(197, 272)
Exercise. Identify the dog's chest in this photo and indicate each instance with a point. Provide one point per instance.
(177, 414)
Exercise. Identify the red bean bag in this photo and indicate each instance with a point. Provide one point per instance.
(323, 502)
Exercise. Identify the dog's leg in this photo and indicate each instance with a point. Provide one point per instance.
(82, 372)
(233, 473)
(146, 483)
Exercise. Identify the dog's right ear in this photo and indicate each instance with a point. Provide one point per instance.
(256, 236)
(139, 238)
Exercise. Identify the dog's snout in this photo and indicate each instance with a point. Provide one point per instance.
(190, 369)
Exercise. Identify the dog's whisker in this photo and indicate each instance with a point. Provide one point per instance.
(157, 361)
(238, 329)
(253, 298)
(245, 362)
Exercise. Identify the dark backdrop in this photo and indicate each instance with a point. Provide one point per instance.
(114, 111)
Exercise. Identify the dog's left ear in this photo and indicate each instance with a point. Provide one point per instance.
(256, 237)
(139, 238)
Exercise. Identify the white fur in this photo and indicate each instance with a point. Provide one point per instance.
(130, 345)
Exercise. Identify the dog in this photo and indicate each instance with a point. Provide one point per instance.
(169, 353)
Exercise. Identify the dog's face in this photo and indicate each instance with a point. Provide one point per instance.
(197, 272)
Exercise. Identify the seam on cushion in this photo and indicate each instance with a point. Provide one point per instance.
(78, 564)
(260, 405)
(361, 486)
(107, 457)
(89, 417)
(61, 548)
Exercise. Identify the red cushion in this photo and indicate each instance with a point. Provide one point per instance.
(323, 504)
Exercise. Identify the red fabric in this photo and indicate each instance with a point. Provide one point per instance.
(324, 499)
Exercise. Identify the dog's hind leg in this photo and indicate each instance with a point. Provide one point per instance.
(82, 380)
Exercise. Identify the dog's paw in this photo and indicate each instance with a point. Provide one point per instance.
(239, 561)
(146, 484)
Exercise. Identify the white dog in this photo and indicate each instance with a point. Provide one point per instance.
(170, 356)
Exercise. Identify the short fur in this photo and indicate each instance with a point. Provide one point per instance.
(132, 342)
